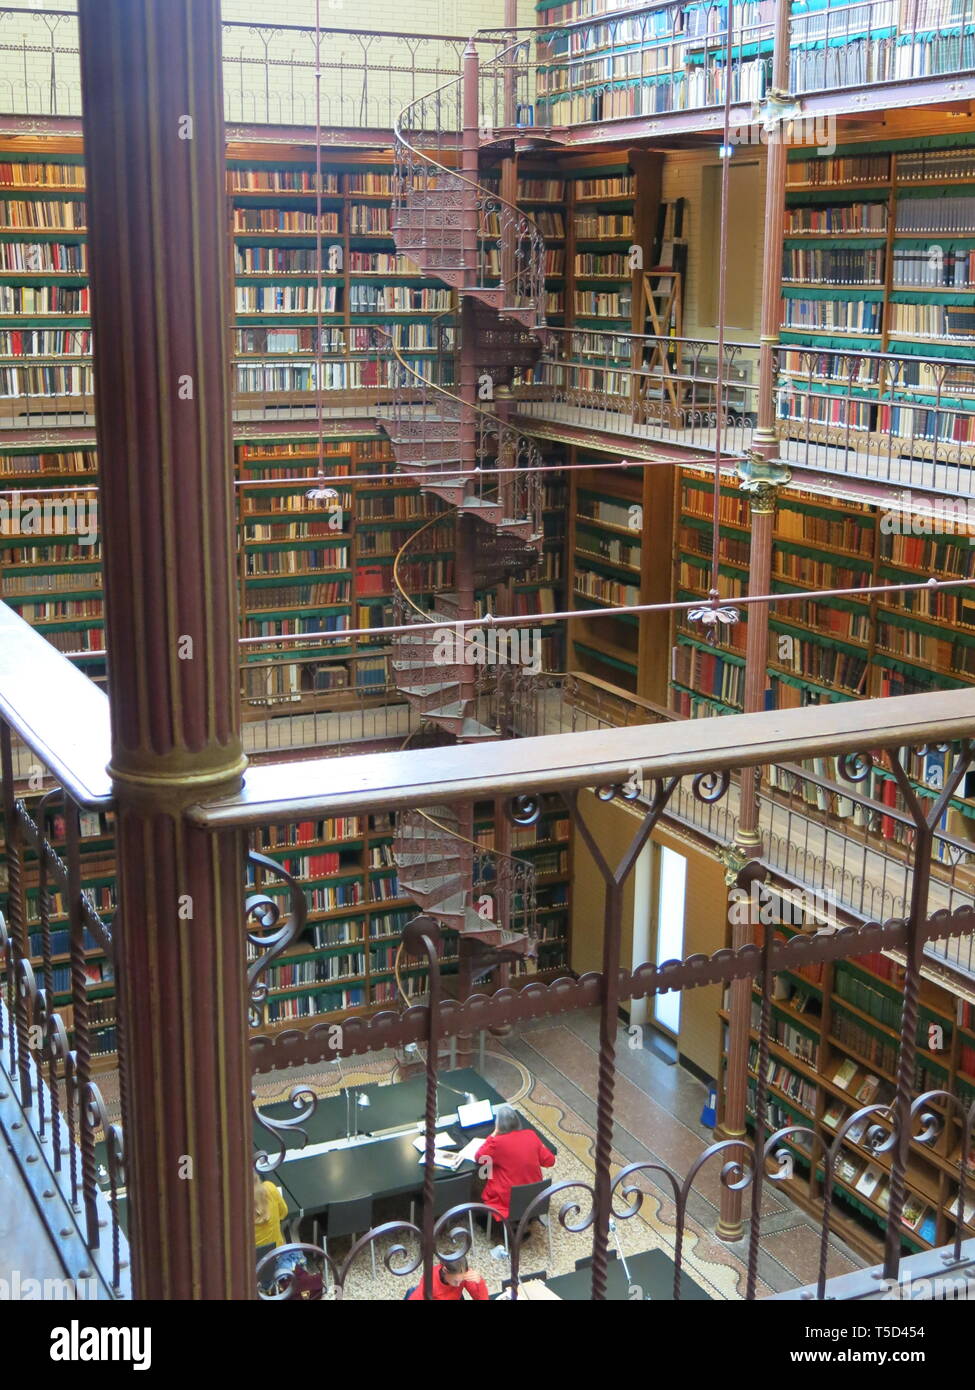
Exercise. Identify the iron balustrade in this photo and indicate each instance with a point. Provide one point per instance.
(669, 759)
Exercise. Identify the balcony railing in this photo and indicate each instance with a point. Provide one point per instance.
(648, 60)
(889, 417)
(46, 1062)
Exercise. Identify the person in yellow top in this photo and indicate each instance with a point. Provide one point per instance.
(270, 1209)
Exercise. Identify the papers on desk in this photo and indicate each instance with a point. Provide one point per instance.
(442, 1159)
(535, 1291)
(470, 1149)
(440, 1141)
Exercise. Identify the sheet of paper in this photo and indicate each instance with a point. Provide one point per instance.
(440, 1141)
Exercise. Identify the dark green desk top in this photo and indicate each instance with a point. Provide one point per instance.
(390, 1106)
(388, 1167)
(651, 1272)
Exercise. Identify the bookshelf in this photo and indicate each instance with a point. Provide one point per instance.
(547, 846)
(96, 846)
(832, 649)
(879, 255)
(364, 284)
(613, 565)
(833, 1044)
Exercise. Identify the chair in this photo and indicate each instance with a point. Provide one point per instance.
(350, 1218)
(447, 1193)
(519, 1200)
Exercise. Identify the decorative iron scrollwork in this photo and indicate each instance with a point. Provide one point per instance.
(301, 1096)
(274, 933)
(855, 767)
(524, 809)
(710, 786)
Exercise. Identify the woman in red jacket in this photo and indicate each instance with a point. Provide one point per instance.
(512, 1157)
(450, 1279)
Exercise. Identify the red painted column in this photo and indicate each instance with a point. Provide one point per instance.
(765, 447)
(154, 143)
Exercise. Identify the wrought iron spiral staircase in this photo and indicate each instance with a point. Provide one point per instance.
(467, 236)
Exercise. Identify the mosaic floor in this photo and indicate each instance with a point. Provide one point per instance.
(549, 1071)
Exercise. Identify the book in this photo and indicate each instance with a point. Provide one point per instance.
(845, 1073)
(868, 1089)
(833, 1114)
(869, 1179)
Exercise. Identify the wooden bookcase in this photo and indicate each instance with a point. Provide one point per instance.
(834, 1036)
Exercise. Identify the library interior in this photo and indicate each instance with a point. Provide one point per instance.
(487, 560)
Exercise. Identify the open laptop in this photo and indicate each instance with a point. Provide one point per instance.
(479, 1112)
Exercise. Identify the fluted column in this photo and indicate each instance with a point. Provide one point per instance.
(154, 143)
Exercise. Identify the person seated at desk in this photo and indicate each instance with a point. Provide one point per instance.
(270, 1209)
(450, 1279)
(514, 1157)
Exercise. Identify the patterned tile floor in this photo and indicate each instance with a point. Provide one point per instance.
(549, 1070)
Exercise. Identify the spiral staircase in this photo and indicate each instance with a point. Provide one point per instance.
(465, 235)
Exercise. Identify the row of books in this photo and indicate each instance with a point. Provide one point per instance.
(17, 581)
(810, 366)
(784, 1079)
(288, 340)
(281, 531)
(604, 225)
(308, 1005)
(866, 1042)
(823, 618)
(307, 595)
(840, 529)
(297, 561)
(710, 673)
(286, 627)
(281, 180)
(822, 265)
(940, 652)
(589, 263)
(935, 164)
(380, 263)
(823, 315)
(64, 461)
(277, 299)
(945, 266)
(603, 304)
(70, 214)
(32, 173)
(936, 214)
(697, 499)
(550, 224)
(334, 376)
(609, 591)
(397, 506)
(46, 381)
(45, 342)
(802, 1045)
(861, 168)
(669, 91)
(932, 320)
(371, 299)
(278, 220)
(43, 299)
(951, 555)
(315, 969)
(550, 190)
(826, 665)
(368, 219)
(34, 257)
(606, 547)
(389, 540)
(920, 423)
(868, 998)
(847, 217)
(309, 831)
(608, 186)
(851, 414)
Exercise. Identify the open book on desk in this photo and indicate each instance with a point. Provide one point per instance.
(443, 1159)
(440, 1141)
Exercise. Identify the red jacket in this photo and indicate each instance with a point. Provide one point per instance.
(516, 1158)
(450, 1293)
